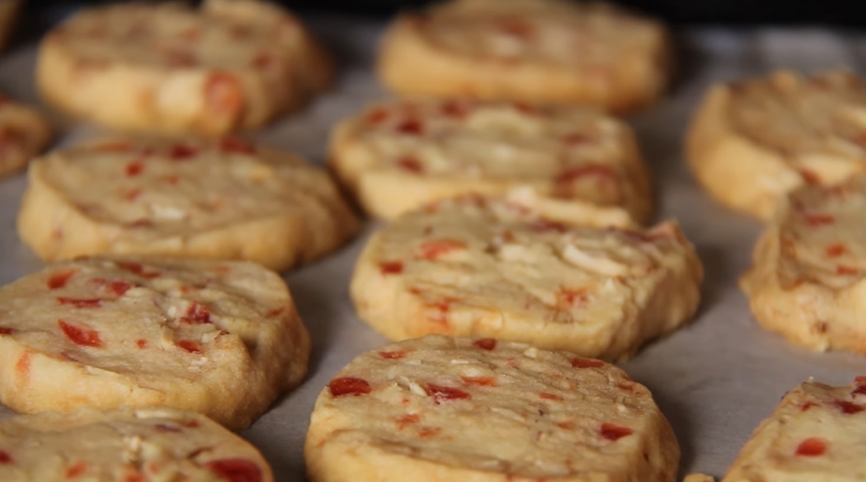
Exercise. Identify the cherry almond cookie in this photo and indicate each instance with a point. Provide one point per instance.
(24, 133)
(532, 50)
(397, 155)
(441, 409)
(153, 444)
(556, 275)
(206, 199)
(166, 68)
(751, 142)
(815, 434)
(217, 337)
(807, 279)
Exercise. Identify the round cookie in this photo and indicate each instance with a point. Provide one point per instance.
(534, 50)
(814, 434)
(441, 409)
(225, 200)
(217, 337)
(809, 269)
(166, 68)
(24, 132)
(398, 155)
(153, 444)
(753, 141)
(555, 275)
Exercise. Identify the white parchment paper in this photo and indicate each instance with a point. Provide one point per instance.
(715, 379)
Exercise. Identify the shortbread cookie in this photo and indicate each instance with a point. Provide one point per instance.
(809, 269)
(443, 409)
(398, 155)
(165, 68)
(152, 444)
(8, 15)
(24, 133)
(225, 200)
(527, 272)
(751, 142)
(815, 434)
(534, 50)
(699, 478)
(218, 337)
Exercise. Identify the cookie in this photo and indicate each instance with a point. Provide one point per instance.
(753, 141)
(158, 444)
(223, 199)
(397, 155)
(24, 133)
(699, 478)
(808, 269)
(532, 50)
(217, 337)
(441, 409)
(528, 270)
(814, 434)
(166, 68)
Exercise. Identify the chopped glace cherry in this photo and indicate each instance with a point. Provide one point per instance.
(575, 173)
(572, 297)
(237, 146)
(432, 250)
(545, 226)
(411, 127)
(846, 270)
(392, 355)
(5, 458)
(223, 94)
(409, 419)
(550, 396)
(808, 405)
(485, 343)
(815, 220)
(861, 386)
(196, 314)
(132, 194)
(134, 168)
(810, 177)
(180, 152)
(276, 312)
(236, 470)
(352, 386)
(811, 447)
(848, 407)
(59, 279)
(442, 393)
(190, 346)
(137, 269)
(455, 109)
(114, 147)
(76, 470)
(6, 330)
(80, 302)
(377, 116)
(118, 287)
(580, 362)
(141, 343)
(411, 164)
(479, 381)
(391, 267)
(614, 432)
(80, 336)
(835, 250)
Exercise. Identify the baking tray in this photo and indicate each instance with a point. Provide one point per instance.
(715, 379)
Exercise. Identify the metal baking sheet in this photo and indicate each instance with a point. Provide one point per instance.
(715, 378)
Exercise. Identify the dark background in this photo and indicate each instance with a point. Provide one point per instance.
(851, 13)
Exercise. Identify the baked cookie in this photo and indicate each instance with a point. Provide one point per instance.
(809, 266)
(699, 478)
(548, 273)
(24, 133)
(152, 444)
(218, 337)
(166, 68)
(814, 434)
(753, 141)
(532, 50)
(8, 15)
(225, 200)
(398, 155)
(441, 409)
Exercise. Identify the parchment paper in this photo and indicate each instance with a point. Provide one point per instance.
(715, 379)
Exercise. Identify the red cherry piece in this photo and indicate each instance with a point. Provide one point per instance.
(392, 355)
(196, 314)
(59, 279)
(190, 346)
(80, 336)
(442, 393)
(391, 267)
(236, 470)
(811, 447)
(580, 362)
(485, 343)
(80, 302)
(614, 432)
(343, 386)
